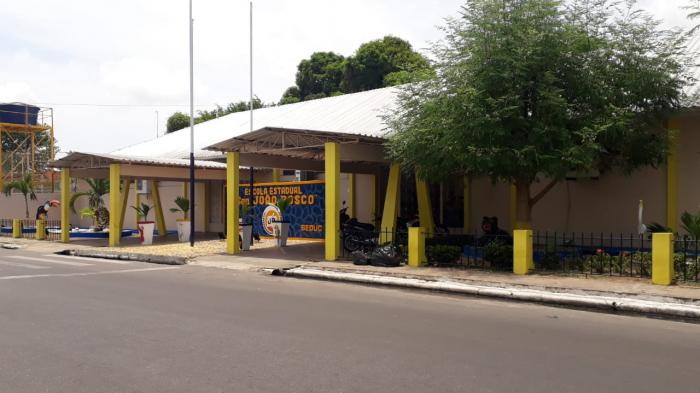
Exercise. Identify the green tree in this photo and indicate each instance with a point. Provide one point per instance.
(319, 74)
(291, 96)
(25, 186)
(386, 62)
(531, 89)
(694, 14)
(177, 121)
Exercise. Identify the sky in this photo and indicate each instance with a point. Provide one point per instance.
(113, 71)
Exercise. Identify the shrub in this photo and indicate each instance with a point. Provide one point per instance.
(499, 254)
(443, 255)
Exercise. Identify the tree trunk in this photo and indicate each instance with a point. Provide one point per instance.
(26, 207)
(523, 216)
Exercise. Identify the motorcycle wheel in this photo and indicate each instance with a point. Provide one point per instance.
(351, 243)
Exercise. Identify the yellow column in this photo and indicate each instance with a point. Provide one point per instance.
(416, 247)
(16, 228)
(114, 204)
(351, 196)
(65, 201)
(126, 186)
(467, 203)
(672, 176)
(233, 163)
(332, 167)
(425, 208)
(205, 205)
(158, 206)
(391, 204)
(276, 175)
(40, 230)
(523, 261)
(513, 208)
(662, 269)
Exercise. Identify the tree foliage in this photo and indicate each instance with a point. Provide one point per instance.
(179, 120)
(24, 186)
(531, 89)
(385, 62)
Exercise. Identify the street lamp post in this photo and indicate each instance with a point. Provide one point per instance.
(192, 216)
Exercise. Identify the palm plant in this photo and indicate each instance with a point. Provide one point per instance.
(693, 14)
(691, 224)
(25, 186)
(283, 204)
(183, 206)
(97, 188)
(142, 211)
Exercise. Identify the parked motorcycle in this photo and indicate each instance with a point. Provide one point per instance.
(356, 235)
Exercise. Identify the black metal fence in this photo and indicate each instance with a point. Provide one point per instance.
(492, 252)
(687, 259)
(52, 228)
(593, 253)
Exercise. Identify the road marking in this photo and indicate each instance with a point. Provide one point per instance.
(69, 263)
(88, 273)
(89, 259)
(26, 265)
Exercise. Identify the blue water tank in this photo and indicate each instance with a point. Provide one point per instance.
(18, 113)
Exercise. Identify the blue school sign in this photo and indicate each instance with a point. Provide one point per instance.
(306, 213)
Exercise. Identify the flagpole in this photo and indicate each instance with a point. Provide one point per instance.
(251, 169)
(192, 216)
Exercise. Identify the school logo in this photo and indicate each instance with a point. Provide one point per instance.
(270, 214)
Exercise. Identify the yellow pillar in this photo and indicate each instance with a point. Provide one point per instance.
(205, 205)
(126, 186)
(16, 228)
(467, 203)
(523, 261)
(114, 204)
(233, 163)
(40, 230)
(391, 204)
(416, 247)
(332, 167)
(662, 269)
(158, 206)
(276, 175)
(672, 176)
(352, 205)
(425, 208)
(65, 201)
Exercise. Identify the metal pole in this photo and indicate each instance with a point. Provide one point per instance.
(192, 216)
(252, 169)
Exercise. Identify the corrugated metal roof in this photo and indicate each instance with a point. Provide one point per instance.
(357, 114)
(102, 159)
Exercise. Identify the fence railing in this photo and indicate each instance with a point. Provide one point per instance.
(593, 253)
(493, 252)
(686, 259)
(29, 229)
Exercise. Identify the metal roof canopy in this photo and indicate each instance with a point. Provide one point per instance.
(96, 165)
(275, 147)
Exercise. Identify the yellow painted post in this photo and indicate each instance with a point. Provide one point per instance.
(416, 247)
(16, 228)
(40, 230)
(352, 205)
(391, 205)
(205, 205)
(158, 206)
(662, 269)
(425, 208)
(513, 208)
(672, 176)
(65, 201)
(115, 233)
(276, 175)
(233, 163)
(467, 203)
(126, 186)
(332, 168)
(523, 261)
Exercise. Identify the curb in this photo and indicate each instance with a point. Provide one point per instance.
(529, 295)
(159, 259)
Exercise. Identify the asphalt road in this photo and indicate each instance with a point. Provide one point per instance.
(78, 325)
